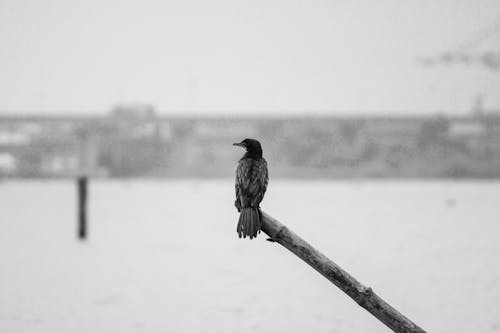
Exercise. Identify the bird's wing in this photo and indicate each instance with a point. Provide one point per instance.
(251, 181)
(241, 183)
(260, 180)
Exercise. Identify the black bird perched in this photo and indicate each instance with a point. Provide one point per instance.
(251, 184)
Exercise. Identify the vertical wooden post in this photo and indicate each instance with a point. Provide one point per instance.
(82, 207)
(87, 166)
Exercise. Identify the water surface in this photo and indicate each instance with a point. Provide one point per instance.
(163, 256)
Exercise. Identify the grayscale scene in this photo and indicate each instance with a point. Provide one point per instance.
(249, 166)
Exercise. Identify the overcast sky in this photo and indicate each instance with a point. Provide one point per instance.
(239, 56)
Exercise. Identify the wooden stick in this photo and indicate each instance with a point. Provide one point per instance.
(82, 207)
(364, 296)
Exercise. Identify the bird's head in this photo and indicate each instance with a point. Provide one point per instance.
(252, 146)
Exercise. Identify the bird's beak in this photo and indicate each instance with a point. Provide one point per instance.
(238, 144)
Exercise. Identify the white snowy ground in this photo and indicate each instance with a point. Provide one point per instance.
(163, 256)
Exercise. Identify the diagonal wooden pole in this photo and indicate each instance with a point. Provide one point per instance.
(364, 296)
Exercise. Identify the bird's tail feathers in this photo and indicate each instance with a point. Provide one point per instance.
(249, 223)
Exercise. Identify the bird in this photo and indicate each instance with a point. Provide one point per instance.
(250, 186)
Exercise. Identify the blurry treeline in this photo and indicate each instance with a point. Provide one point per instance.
(136, 142)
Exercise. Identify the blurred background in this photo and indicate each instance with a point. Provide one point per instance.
(380, 122)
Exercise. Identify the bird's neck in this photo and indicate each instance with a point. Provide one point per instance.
(253, 155)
